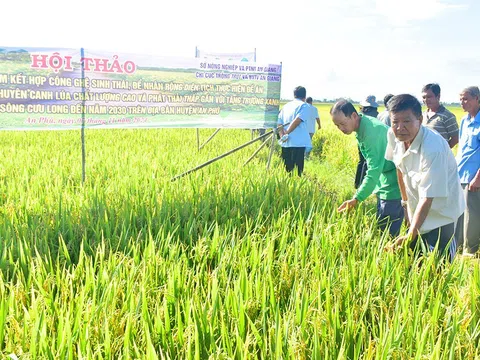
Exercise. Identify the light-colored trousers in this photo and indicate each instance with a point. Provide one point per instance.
(467, 232)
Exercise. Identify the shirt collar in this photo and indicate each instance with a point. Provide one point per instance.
(417, 142)
(475, 119)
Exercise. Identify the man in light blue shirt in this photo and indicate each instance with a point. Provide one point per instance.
(468, 159)
(294, 135)
(313, 119)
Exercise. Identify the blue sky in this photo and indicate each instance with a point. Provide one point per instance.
(342, 48)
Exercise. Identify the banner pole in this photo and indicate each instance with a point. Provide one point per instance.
(257, 151)
(82, 55)
(198, 131)
(221, 156)
(210, 138)
(198, 139)
(272, 147)
(273, 132)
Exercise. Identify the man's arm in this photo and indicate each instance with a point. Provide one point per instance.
(403, 193)
(418, 219)
(474, 185)
(451, 126)
(453, 141)
(374, 146)
(419, 216)
(375, 158)
(293, 125)
(319, 124)
(401, 185)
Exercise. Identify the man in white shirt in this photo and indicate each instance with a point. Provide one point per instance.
(427, 176)
(313, 119)
(294, 134)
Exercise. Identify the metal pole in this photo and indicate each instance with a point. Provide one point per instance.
(210, 138)
(221, 156)
(272, 147)
(82, 131)
(198, 131)
(256, 151)
(198, 139)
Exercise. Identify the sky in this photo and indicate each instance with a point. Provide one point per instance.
(335, 48)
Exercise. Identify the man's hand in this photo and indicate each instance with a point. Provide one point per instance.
(398, 243)
(474, 185)
(283, 139)
(348, 205)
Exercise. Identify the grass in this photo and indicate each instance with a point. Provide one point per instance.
(230, 262)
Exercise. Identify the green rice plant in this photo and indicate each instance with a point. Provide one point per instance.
(227, 263)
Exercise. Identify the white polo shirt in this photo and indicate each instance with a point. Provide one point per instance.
(429, 171)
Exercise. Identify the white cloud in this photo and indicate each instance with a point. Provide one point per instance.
(403, 12)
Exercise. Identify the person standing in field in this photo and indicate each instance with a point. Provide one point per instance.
(381, 177)
(294, 137)
(314, 119)
(427, 177)
(437, 116)
(384, 116)
(368, 107)
(468, 159)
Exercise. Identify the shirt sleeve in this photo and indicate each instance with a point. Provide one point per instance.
(280, 117)
(373, 150)
(390, 145)
(433, 180)
(303, 113)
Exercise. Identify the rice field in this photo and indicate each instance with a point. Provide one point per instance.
(230, 262)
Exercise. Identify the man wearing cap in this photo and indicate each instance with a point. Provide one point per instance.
(294, 134)
(427, 178)
(468, 159)
(381, 177)
(313, 119)
(368, 107)
(437, 116)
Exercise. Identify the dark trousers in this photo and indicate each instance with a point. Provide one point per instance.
(444, 236)
(390, 213)
(361, 170)
(293, 156)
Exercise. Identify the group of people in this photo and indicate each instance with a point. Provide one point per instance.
(406, 159)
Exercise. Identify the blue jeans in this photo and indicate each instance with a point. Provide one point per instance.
(390, 213)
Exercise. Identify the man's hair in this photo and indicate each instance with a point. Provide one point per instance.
(404, 102)
(472, 90)
(309, 100)
(434, 87)
(344, 106)
(299, 92)
(386, 99)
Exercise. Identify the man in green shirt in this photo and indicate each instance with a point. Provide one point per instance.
(381, 176)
